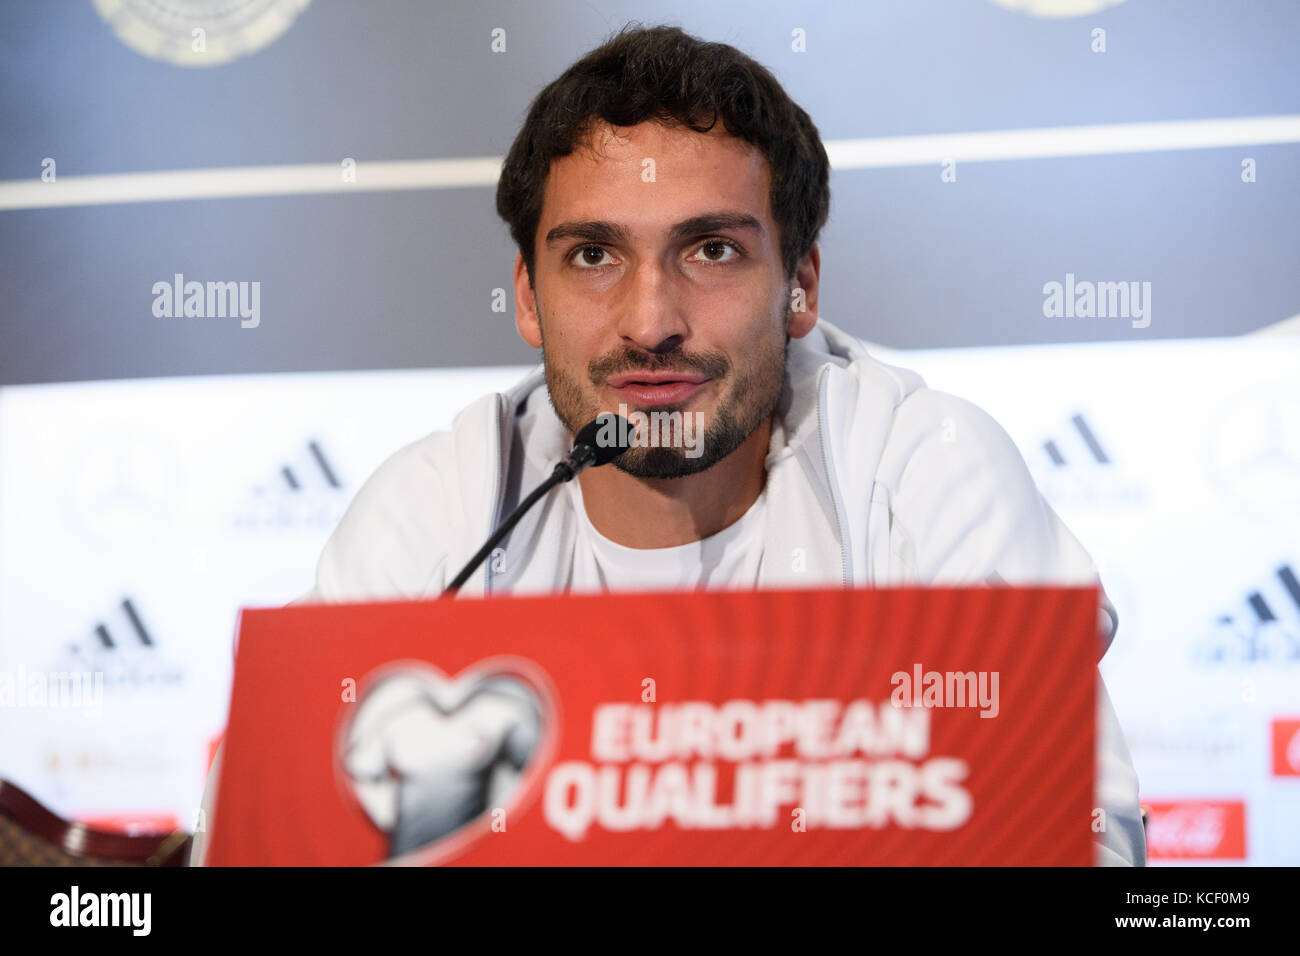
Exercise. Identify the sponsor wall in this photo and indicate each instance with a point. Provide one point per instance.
(136, 517)
(1177, 465)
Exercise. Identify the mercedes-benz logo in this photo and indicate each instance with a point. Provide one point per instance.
(1254, 453)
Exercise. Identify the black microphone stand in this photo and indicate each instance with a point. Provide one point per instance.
(585, 453)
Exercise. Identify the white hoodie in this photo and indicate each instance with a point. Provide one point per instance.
(872, 479)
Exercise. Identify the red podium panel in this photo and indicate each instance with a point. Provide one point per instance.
(908, 727)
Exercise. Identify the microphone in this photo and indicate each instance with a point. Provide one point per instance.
(591, 450)
(598, 443)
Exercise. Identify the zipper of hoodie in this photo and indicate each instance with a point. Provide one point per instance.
(503, 469)
(823, 386)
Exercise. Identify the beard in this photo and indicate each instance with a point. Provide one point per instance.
(749, 402)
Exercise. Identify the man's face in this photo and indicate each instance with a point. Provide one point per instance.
(658, 287)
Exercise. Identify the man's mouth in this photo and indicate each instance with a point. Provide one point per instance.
(657, 388)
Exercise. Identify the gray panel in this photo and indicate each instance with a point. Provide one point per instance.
(405, 280)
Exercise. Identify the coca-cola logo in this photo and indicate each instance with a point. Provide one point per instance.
(1199, 830)
(1192, 831)
(1286, 747)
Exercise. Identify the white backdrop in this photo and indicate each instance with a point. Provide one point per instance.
(136, 517)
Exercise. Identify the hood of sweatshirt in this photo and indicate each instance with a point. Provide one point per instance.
(828, 431)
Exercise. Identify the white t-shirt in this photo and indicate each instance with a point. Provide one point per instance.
(728, 559)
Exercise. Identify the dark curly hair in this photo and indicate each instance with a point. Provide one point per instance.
(663, 74)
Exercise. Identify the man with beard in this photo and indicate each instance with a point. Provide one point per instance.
(666, 196)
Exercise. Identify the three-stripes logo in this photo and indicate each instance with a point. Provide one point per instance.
(306, 493)
(321, 465)
(125, 650)
(1075, 468)
(1265, 628)
(137, 626)
(1091, 446)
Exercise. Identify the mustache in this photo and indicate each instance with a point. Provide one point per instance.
(711, 364)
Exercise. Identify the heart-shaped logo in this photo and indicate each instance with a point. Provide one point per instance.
(436, 763)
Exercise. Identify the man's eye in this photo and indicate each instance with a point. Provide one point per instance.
(713, 250)
(588, 256)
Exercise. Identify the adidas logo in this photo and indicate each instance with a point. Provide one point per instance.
(1091, 446)
(137, 628)
(1289, 583)
(1265, 628)
(122, 646)
(318, 469)
(306, 494)
(1075, 470)
(321, 470)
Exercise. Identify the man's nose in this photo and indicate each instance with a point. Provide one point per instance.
(652, 317)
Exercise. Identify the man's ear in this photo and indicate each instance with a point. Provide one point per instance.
(803, 294)
(526, 321)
